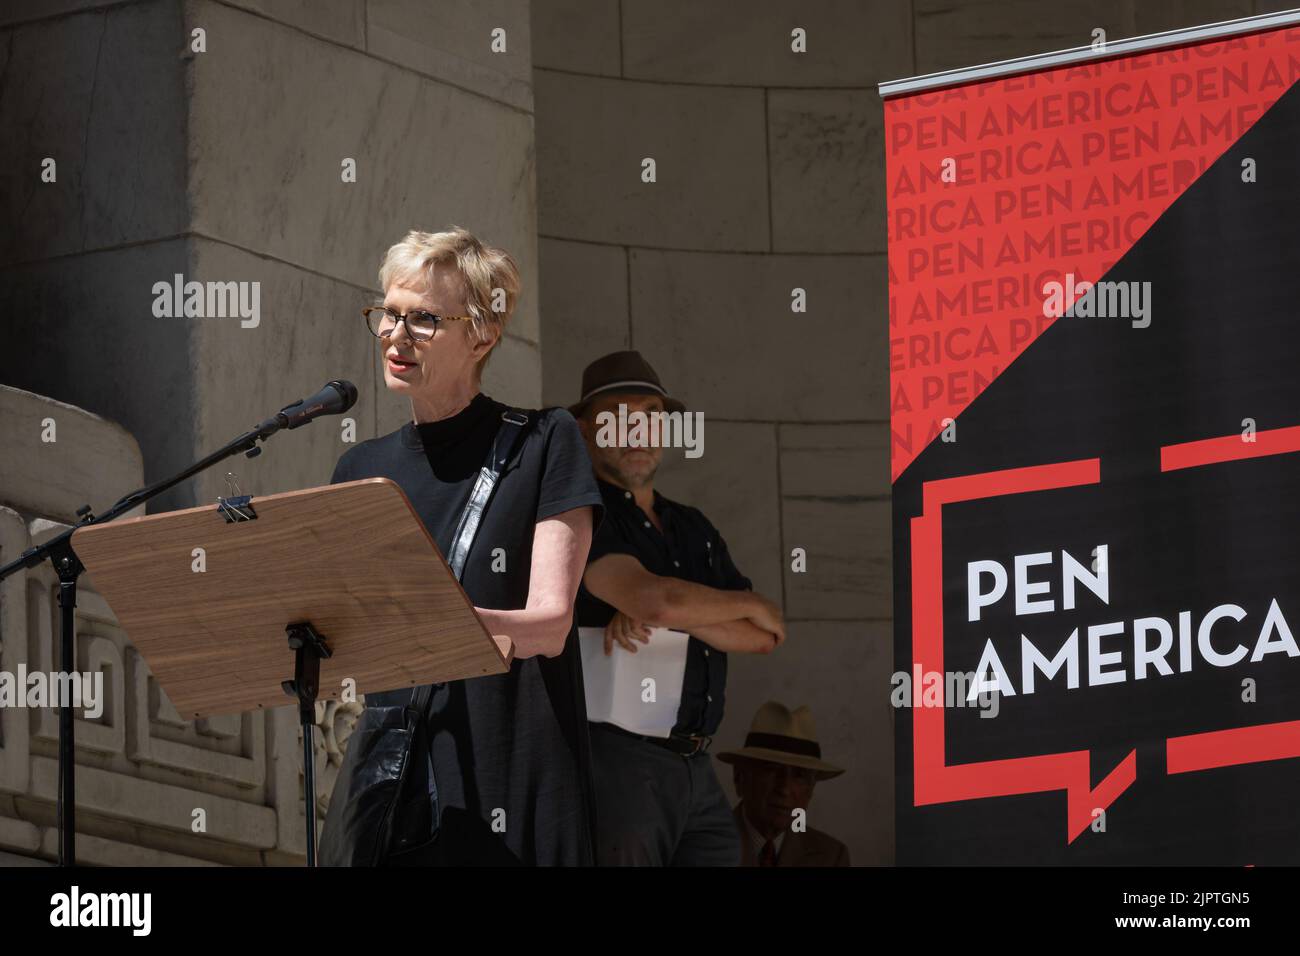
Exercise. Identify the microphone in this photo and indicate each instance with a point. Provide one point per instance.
(334, 399)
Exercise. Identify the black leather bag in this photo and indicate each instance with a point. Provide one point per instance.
(384, 809)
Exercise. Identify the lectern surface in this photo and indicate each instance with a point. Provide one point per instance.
(206, 602)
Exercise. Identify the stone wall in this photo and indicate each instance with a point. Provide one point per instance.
(227, 165)
(769, 177)
(142, 771)
(221, 165)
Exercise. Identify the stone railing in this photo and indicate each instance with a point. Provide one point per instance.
(152, 788)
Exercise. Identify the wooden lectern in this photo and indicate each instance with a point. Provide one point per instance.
(348, 572)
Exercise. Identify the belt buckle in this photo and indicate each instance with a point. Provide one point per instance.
(701, 745)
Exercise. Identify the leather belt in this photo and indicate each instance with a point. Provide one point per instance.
(686, 746)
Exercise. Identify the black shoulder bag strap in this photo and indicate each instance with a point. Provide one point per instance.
(513, 425)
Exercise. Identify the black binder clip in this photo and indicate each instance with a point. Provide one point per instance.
(236, 507)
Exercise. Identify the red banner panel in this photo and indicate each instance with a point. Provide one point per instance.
(1096, 451)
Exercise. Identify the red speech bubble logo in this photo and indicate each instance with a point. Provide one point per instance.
(935, 781)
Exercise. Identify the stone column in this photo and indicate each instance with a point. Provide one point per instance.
(152, 789)
(214, 140)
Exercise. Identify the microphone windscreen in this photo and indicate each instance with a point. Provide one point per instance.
(347, 390)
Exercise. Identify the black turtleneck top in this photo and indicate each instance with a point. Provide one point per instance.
(510, 750)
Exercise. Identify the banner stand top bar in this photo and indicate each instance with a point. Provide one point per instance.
(1040, 61)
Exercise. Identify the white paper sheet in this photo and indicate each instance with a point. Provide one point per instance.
(616, 692)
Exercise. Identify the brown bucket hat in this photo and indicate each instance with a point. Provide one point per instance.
(623, 371)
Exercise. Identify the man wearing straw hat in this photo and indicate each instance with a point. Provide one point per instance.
(775, 773)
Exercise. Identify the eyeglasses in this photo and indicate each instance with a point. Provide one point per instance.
(420, 325)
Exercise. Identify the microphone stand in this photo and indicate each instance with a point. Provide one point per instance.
(59, 551)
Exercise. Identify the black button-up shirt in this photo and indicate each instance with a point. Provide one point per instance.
(689, 548)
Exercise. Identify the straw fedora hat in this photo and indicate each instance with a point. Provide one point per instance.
(780, 735)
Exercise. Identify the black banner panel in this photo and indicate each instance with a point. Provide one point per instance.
(1096, 452)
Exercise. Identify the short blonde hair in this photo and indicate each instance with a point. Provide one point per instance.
(483, 269)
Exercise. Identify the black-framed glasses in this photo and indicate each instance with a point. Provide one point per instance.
(420, 324)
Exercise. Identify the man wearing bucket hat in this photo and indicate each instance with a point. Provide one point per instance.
(657, 563)
(775, 773)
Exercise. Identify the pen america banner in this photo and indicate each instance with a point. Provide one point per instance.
(1095, 416)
